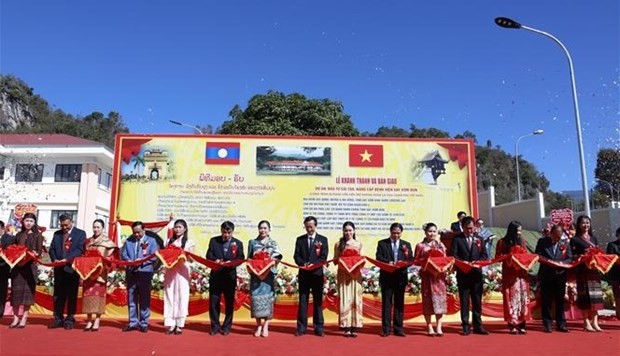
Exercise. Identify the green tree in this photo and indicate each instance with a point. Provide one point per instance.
(275, 113)
(607, 174)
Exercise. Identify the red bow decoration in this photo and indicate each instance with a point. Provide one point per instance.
(478, 244)
(317, 248)
(406, 251)
(144, 246)
(14, 254)
(88, 266)
(68, 244)
(595, 258)
(260, 263)
(563, 249)
(170, 256)
(233, 249)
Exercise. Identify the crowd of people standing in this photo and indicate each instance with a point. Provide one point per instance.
(469, 244)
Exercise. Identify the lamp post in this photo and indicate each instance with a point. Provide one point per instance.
(196, 128)
(508, 23)
(535, 132)
(611, 188)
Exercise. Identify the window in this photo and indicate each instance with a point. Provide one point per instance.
(105, 179)
(104, 218)
(29, 173)
(68, 173)
(1, 173)
(54, 224)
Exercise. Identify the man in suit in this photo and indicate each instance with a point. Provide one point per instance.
(223, 280)
(468, 247)
(310, 248)
(553, 279)
(139, 278)
(457, 226)
(393, 250)
(67, 244)
(5, 240)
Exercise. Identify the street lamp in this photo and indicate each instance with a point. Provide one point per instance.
(196, 128)
(535, 132)
(611, 188)
(508, 23)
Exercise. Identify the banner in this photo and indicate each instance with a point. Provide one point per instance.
(373, 182)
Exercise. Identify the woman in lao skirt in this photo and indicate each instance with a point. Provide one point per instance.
(434, 292)
(589, 293)
(350, 289)
(24, 275)
(262, 292)
(95, 288)
(515, 281)
(177, 282)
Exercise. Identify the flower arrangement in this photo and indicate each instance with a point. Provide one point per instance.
(199, 280)
(451, 284)
(330, 285)
(116, 279)
(243, 279)
(45, 277)
(414, 282)
(370, 280)
(492, 279)
(286, 282)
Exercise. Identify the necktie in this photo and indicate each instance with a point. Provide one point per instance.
(310, 242)
(395, 250)
(469, 242)
(138, 243)
(226, 246)
(555, 249)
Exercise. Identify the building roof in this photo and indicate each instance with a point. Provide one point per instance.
(45, 140)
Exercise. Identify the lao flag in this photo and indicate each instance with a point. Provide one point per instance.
(365, 155)
(222, 153)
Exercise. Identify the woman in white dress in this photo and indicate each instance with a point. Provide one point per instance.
(176, 283)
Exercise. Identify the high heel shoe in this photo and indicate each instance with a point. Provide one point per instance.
(171, 331)
(89, 326)
(597, 328)
(178, 330)
(258, 331)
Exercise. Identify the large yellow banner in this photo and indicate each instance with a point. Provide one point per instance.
(371, 182)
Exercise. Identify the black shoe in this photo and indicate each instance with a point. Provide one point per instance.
(214, 332)
(466, 331)
(481, 331)
(178, 331)
(319, 333)
(128, 328)
(562, 329)
(399, 333)
(170, 331)
(55, 325)
(224, 332)
(68, 326)
(144, 329)
(547, 329)
(300, 333)
(385, 334)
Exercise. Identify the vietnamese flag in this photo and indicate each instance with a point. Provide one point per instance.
(365, 155)
(222, 153)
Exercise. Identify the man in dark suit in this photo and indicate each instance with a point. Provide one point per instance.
(310, 249)
(468, 247)
(391, 251)
(223, 280)
(139, 278)
(67, 244)
(553, 279)
(5, 240)
(457, 225)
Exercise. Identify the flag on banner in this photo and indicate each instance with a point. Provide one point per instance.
(365, 155)
(223, 153)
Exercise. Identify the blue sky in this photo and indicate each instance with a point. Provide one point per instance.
(441, 64)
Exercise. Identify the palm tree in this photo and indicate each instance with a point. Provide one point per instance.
(137, 162)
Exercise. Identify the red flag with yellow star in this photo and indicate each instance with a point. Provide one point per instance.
(365, 155)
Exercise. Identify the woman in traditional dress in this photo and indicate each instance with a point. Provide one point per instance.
(176, 282)
(350, 287)
(23, 276)
(262, 292)
(589, 293)
(515, 281)
(95, 288)
(434, 293)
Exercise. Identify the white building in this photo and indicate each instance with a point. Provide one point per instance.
(58, 174)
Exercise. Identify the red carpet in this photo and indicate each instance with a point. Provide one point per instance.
(36, 339)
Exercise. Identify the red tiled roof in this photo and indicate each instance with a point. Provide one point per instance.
(45, 140)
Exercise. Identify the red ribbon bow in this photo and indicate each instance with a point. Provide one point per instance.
(317, 248)
(67, 244)
(405, 251)
(233, 249)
